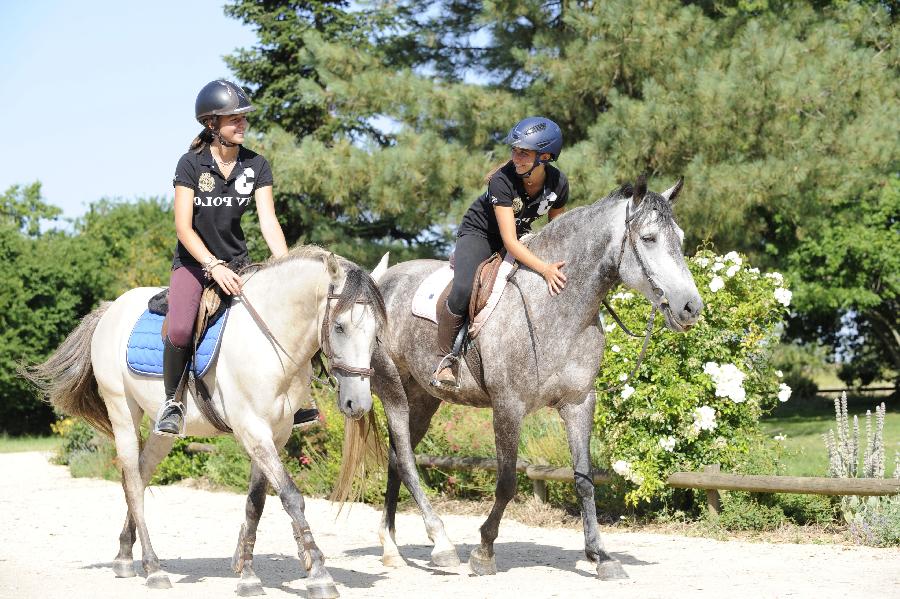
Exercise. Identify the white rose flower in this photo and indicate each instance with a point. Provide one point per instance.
(718, 266)
(732, 270)
(623, 377)
(716, 284)
(627, 391)
(610, 327)
(779, 374)
(783, 296)
(704, 419)
(733, 257)
(776, 276)
(753, 270)
(780, 437)
(784, 393)
(622, 468)
(616, 348)
(702, 261)
(711, 368)
(667, 443)
(623, 295)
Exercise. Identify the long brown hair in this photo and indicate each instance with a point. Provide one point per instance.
(204, 138)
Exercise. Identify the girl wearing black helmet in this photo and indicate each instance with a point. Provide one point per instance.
(215, 181)
(518, 193)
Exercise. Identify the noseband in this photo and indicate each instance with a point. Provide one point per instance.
(326, 339)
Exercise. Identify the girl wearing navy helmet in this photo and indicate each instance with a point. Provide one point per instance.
(215, 182)
(518, 193)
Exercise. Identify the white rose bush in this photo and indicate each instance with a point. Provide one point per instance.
(698, 396)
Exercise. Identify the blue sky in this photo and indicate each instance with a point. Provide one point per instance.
(98, 96)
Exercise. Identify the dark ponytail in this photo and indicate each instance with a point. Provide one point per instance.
(203, 139)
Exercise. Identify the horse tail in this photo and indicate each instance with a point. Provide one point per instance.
(364, 450)
(66, 378)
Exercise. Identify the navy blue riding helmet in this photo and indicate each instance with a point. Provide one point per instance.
(539, 134)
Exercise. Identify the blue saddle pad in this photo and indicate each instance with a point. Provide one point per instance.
(145, 345)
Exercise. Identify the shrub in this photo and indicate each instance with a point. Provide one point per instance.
(698, 396)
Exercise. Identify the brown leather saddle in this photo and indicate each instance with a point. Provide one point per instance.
(482, 285)
(213, 303)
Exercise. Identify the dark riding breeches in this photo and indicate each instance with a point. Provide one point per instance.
(471, 250)
(185, 288)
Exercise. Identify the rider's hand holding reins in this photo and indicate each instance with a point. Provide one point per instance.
(227, 279)
(556, 280)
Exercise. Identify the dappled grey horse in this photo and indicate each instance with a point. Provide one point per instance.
(308, 299)
(630, 236)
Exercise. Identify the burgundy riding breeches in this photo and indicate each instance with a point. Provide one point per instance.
(185, 289)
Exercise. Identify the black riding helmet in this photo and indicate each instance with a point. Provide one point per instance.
(220, 98)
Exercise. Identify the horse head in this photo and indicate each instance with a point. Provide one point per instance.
(354, 313)
(651, 259)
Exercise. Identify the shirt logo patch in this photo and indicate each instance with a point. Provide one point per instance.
(548, 201)
(517, 204)
(244, 183)
(206, 182)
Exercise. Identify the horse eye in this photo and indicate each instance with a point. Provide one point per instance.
(339, 328)
(648, 238)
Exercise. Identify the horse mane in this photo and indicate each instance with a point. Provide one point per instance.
(653, 203)
(358, 284)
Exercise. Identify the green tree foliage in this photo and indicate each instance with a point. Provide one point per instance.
(53, 278)
(777, 113)
(851, 264)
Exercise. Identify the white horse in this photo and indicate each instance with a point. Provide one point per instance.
(309, 299)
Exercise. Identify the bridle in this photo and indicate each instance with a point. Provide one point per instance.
(657, 290)
(333, 363)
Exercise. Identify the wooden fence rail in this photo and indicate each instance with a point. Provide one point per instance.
(711, 480)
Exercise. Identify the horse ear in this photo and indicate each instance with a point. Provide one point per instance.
(671, 194)
(378, 271)
(640, 189)
(333, 267)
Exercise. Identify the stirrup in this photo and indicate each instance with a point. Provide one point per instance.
(450, 361)
(180, 408)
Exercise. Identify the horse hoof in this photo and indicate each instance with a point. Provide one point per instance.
(610, 570)
(445, 559)
(124, 568)
(249, 587)
(322, 591)
(158, 580)
(480, 565)
(393, 561)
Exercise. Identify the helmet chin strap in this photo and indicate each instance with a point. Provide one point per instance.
(225, 143)
(537, 162)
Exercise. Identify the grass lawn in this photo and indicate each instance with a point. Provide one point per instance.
(14, 444)
(804, 421)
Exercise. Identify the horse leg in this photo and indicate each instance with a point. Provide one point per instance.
(418, 418)
(264, 454)
(128, 452)
(508, 417)
(155, 449)
(242, 562)
(579, 420)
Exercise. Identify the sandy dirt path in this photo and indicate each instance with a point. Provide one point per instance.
(58, 536)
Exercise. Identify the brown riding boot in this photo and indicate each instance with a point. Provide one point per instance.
(449, 325)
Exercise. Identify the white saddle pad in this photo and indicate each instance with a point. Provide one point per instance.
(424, 302)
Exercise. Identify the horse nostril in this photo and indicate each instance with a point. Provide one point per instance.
(349, 405)
(692, 308)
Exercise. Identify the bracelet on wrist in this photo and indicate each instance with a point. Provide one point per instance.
(210, 264)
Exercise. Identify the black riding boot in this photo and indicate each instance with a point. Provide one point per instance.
(305, 416)
(170, 420)
(449, 325)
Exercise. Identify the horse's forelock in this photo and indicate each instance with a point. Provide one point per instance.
(360, 286)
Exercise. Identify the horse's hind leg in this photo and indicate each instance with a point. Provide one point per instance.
(155, 449)
(128, 452)
(319, 584)
(242, 562)
(579, 420)
(421, 408)
(508, 415)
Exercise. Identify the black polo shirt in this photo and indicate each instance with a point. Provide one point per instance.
(219, 203)
(505, 188)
